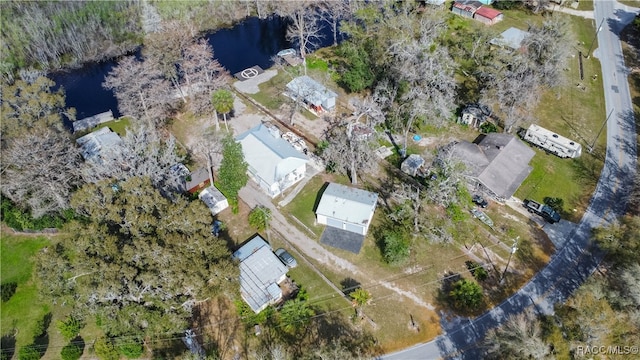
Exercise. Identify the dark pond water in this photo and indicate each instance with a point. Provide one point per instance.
(252, 42)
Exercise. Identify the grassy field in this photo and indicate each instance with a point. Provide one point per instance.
(24, 309)
(576, 111)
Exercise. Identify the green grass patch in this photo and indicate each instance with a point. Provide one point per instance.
(577, 111)
(119, 126)
(316, 63)
(24, 308)
(303, 204)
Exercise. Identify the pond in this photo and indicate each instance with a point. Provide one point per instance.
(251, 42)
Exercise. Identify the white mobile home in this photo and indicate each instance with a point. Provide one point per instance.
(552, 142)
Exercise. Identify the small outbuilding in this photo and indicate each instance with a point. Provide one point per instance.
(315, 96)
(346, 208)
(197, 180)
(511, 38)
(413, 165)
(261, 272)
(488, 16)
(465, 8)
(214, 199)
(474, 115)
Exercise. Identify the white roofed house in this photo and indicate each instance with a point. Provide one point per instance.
(273, 163)
(214, 199)
(315, 96)
(261, 272)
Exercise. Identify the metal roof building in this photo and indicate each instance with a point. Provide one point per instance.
(260, 273)
(346, 208)
(312, 93)
(273, 163)
(512, 38)
(97, 143)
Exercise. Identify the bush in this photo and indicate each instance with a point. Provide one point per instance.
(394, 246)
(18, 219)
(7, 290)
(70, 327)
(477, 270)
(42, 325)
(71, 351)
(488, 127)
(466, 295)
(131, 349)
(104, 349)
(29, 352)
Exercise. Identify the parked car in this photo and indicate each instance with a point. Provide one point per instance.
(480, 201)
(286, 258)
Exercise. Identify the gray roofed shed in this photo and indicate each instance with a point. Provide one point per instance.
(500, 162)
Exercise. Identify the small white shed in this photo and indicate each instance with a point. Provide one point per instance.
(214, 199)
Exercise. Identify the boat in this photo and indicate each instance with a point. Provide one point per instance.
(482, 217)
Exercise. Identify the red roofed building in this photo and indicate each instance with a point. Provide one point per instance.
(488, 16)
(465, 8)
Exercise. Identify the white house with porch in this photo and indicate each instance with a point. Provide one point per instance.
(273, 163)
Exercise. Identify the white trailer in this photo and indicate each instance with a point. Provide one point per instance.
(552, 142)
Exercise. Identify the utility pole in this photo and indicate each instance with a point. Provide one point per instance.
(594, 39)
(600, 131)
(514, 248)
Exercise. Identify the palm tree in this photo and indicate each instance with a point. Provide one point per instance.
(295, 315)
(222, 101)
(360, 298)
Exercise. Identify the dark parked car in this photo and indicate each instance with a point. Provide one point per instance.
(480, 201)
(286, 258)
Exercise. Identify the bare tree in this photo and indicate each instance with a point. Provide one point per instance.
(350, 149)
(427, 73)
(548, 47)
(305, 28)
(140, 89)
(203, 75)
(142, 152)
(164, 50)
(514, 85)
(332, 12)
(40, 170)
(519, 337)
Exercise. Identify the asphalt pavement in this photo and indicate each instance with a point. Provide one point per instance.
(576, 258)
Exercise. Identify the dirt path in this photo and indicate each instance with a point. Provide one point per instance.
(252, 195)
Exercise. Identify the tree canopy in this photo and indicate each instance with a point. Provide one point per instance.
(140, 261)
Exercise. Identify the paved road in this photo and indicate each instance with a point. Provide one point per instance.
(572, 264)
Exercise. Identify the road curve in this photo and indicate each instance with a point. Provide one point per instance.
(572, 264)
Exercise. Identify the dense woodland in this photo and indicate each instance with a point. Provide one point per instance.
(137, 255)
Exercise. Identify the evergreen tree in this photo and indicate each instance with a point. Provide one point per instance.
(233, 170)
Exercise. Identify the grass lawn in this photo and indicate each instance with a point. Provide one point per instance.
(24, 308)
(577, 111)
(303, 205)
